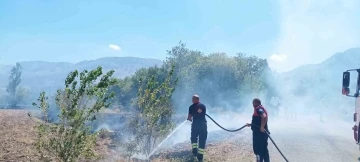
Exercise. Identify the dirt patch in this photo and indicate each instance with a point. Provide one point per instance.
(17, 136)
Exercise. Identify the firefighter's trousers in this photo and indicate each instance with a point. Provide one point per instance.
(260, 143)
(199, 130)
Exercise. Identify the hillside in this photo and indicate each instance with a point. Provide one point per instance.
(324, 76)
(337, 63)
(51, 75)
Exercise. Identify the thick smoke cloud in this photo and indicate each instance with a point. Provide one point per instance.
(313, 30)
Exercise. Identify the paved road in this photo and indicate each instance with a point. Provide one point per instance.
(313, 141)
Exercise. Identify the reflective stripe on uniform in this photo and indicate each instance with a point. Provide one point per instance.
(194, 145)
(201, 151)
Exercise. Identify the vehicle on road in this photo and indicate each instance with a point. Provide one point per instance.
(346, 92)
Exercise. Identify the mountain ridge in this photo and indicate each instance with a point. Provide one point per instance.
(40, 74)
(50, 75)
(102, 58)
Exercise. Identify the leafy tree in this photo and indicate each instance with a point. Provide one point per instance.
(124, 94)
(41, 129)
(71, 139)
(127, 89)
(15, 94)
(220, 80)
(154, 110)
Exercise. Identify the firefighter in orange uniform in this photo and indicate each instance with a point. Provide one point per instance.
(259, 127)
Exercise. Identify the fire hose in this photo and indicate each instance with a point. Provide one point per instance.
(235, 130)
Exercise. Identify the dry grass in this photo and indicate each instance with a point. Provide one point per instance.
(18, 136)
(215, 152)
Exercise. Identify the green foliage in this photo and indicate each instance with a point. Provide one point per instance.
(219, 79)
(15, 94)
(154, 110)
(71, 139)
(124, 93)
(42, 129)
(44, 106)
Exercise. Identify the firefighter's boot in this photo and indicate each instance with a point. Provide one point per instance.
(194, 151)
(200, 157)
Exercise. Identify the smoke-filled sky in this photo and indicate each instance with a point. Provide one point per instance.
(313, 30)
(288, 32)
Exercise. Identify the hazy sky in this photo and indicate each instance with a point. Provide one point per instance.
(288, 32)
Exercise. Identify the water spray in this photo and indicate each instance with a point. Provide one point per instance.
(167, 137)
(235, 130)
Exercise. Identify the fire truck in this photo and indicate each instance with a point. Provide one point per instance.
(346, 92)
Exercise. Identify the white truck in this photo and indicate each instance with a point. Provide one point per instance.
(346, 92)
